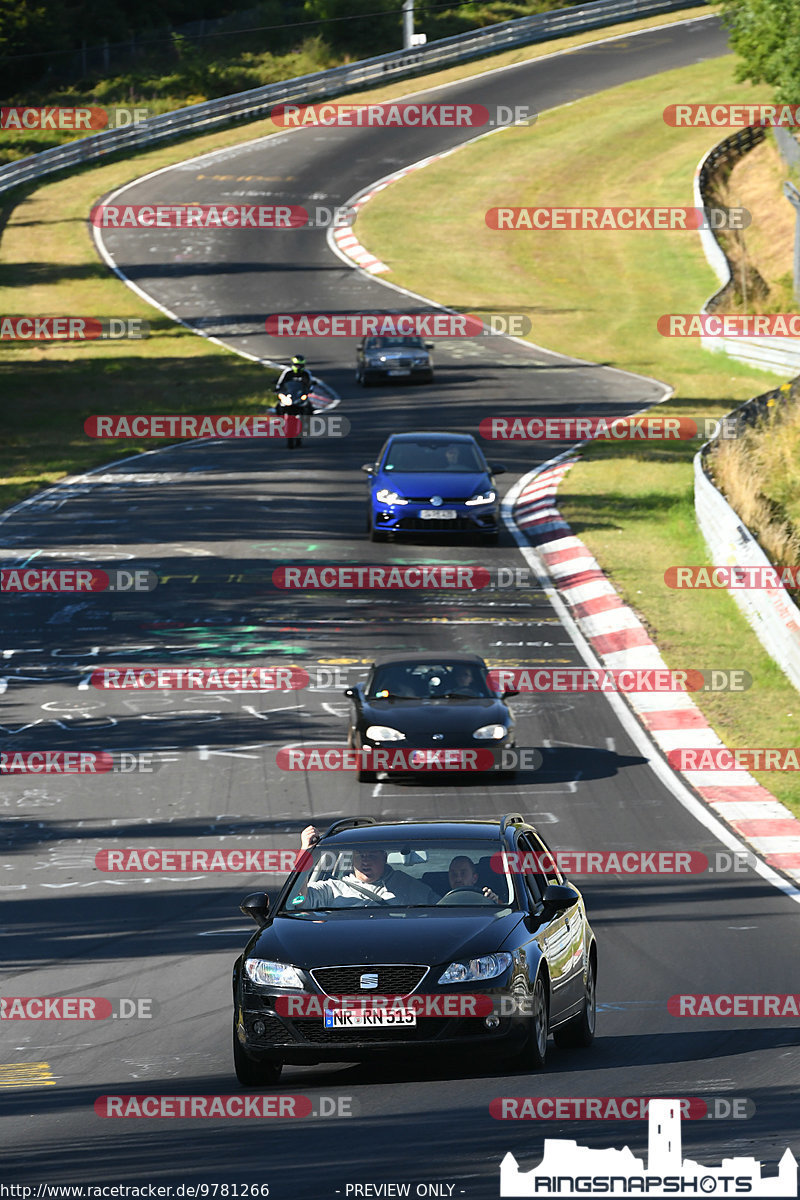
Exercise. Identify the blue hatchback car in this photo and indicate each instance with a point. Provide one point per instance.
(432, 483)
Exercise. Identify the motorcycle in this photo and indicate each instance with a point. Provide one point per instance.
(293, 401)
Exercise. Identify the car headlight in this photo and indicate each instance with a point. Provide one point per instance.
(272, 974)
(487, 967)
(490, 733)
(384, 733)
(483, 497)
(388, 497)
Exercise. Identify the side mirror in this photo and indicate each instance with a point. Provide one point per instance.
(498, 468)
(558, 897)
(368, 469)
(256, 906)
(510, 692)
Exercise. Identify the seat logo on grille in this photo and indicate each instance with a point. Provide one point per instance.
(368, 981)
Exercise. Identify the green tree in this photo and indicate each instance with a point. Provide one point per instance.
(766, 36)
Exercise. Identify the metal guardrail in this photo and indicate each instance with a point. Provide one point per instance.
(778, 355)
(398, 64)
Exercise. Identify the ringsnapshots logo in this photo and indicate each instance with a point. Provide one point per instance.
(436, 324)
(570, 1170)
(402, 115)
(89, 119)
(628, 218)
(265, 425)
(647, 428)
(72, 329)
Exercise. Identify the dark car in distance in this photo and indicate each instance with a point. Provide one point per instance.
(494, 966)
(428, 702)
(395, 356)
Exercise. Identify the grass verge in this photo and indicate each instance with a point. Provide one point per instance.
(598, 295)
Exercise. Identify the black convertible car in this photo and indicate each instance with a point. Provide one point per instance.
(428, 702)
(372, 947)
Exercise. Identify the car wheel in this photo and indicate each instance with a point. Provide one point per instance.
(376, 535)
(490, 539)
(249, 1072)
(534, 1052)
(579, 1030)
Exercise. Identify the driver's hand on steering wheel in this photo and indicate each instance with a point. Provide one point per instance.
(493, 896)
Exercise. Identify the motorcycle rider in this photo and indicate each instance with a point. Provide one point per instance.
(296, 378)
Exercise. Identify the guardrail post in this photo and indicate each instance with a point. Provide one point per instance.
(793, 196)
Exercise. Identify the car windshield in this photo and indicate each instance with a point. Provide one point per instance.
(414, 874)
(428, 680)
(392, 343)
(434, 458)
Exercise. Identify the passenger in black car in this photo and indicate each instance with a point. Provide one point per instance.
(372, 879)
(464, 874)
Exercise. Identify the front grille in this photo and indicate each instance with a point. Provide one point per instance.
(426, 1029)
(446, 526)
(395, 979)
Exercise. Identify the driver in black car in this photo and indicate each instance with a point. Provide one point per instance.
(371, 879)
(464, 874)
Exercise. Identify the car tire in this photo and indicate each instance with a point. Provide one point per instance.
(490, 539)
(579, 1030)
(249, 1072)
(376, 535)
(534, 1052)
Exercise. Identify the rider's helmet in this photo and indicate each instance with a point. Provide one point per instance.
(298, 363)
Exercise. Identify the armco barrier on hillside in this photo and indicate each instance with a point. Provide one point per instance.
(256, 103)
(771, 612)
